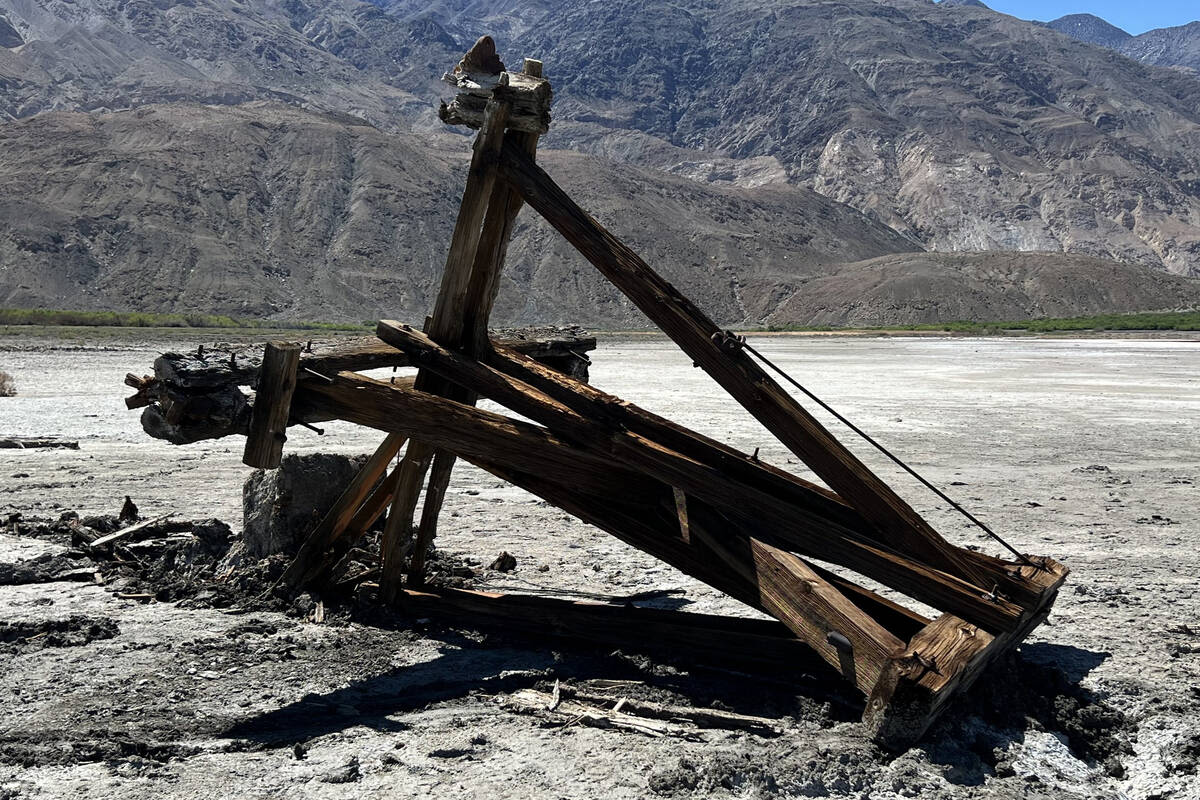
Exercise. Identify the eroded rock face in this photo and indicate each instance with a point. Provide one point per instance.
(280, 506)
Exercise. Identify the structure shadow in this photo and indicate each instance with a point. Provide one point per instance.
(1036, 689)
(504, 663)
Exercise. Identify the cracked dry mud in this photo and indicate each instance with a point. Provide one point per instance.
(1086, 450)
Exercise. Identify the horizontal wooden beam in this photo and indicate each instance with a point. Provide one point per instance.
(707, 638)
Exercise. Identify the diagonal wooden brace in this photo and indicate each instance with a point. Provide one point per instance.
(899, 525)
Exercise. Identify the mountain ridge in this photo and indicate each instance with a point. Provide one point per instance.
(912, 126)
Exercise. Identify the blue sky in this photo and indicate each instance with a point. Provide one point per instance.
(1136, 17)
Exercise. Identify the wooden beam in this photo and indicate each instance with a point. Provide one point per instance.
(446, 324)
(707, 638)
(481, 436)
(435, 494)
(397, 532)
(944, 659)
(478, 298)
(311, 554)
(272, 405)
(710, 348)
(808, 523)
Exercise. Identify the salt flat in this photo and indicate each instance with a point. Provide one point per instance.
(1087, 450)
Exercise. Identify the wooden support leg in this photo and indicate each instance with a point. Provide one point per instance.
(462, 322)
(445, 325)
(397, 533)
(310, 557)
(435, 493)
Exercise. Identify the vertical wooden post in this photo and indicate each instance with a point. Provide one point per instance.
(439, 479)
(272, 405)
(468, 330)
(447, 321)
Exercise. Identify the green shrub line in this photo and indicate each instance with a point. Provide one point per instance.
(143, 319)
(1147, 321)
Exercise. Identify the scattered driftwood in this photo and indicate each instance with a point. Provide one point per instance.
(128, 533)
(32, 442)
(700, 717)
(574, 712)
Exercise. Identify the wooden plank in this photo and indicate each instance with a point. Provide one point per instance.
(125, 533)
(485, 438)
(812, 608)
(701, 717)
(801, 524)
(448, 318)
(688, 637)
(211, 367)
(446, 323)
(333, 524)
(638, 524)
(708, 346)
(272, 405)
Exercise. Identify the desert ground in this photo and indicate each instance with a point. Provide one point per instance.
(1087, 450)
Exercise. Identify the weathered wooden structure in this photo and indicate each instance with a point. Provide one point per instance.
(724, 517)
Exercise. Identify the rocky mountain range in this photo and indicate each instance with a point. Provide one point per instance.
(1177, 46)
(283, 158)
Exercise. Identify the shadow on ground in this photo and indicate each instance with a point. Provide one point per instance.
(500, 664)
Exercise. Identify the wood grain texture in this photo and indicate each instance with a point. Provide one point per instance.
(445, 325)
(944, 659)
(272, 405)
(802, 527)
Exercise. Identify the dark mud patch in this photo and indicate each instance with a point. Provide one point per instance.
(1017, 695)
(47, 568)
(72, 631)
(107, 746)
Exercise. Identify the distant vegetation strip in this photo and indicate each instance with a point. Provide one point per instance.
(1151, 321)
(141, 319)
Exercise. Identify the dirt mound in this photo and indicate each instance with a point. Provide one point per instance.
(72, 631)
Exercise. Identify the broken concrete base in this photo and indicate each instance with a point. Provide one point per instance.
(280, 506)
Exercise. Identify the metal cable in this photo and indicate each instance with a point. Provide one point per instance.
(741, 341)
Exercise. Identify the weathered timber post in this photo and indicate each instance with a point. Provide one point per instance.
(488, 211)
(272, 405)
